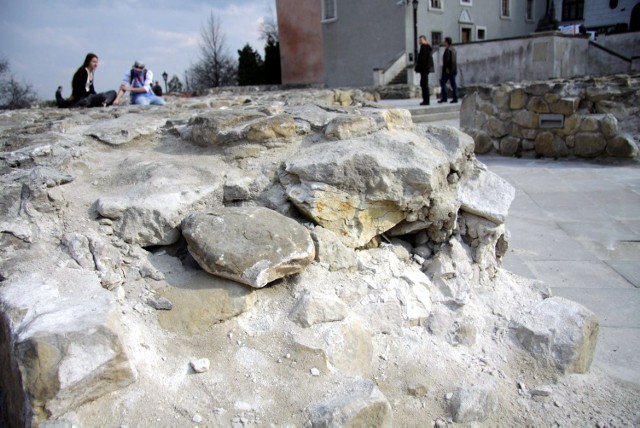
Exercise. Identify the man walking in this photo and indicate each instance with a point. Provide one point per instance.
(424, 66)
(449, 71)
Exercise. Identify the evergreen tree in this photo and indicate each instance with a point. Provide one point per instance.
(250, 67)
(272, 72)
(175, 85)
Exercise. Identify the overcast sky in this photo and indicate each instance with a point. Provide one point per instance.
(45, 41)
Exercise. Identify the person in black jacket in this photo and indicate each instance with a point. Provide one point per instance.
(83, 93)
(449, 71)
(424, 66)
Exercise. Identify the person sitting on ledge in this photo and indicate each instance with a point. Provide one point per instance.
(83, 93)
(137, 81)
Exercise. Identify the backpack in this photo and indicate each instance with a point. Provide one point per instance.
(131, 76)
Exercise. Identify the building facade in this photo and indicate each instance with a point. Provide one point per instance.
(356, 37)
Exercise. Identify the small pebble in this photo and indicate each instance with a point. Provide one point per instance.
(197, 418)
(315, 372)
(200, 366)
(449, 395)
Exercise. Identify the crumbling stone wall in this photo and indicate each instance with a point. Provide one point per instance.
(587, 117)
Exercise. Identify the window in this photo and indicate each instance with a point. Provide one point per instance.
(435, 4)
(329, 11)
(613, 4)
(436, 38)
(529, 13)
(481, 33)
(572, 10)
(505, 8)
(465, 3)
(465, 35)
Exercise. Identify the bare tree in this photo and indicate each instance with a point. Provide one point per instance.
(14, 94)
(269, 28)
(216, 67)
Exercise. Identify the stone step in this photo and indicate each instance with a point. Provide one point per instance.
(435, 108)
(435, 117)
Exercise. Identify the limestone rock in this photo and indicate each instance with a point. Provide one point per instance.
(566, 106)
(154, 198)
(560, 333)
(359, 405)
(509, 146)
(346, 345)
(538, 105)
(483, 143)
(468, 112)
(200, 366)
(313, 308)
(526, 119)
(589, 144)
(63, 331)
(270, 128)
(363, 187)
(451, 271)
(221, 128)
(240, 186)
(609, 126)
(345, 127)
(393, 302)
(125, 129)
(251, 245)
(589, 124)
(457, 146)
(518, 99)
(201, 300)
(316, 116)
(160, 303)
(549, 145)
(331, 252)
(622, 146)
(474, 403)
(489, 239)
(394, 118)
(485, 194)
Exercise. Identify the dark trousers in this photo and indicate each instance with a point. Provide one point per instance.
(443, 86)
(96, 100)
(424, 85)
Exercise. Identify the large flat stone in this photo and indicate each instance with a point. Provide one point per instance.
(153, 198)
(251, 245)
(360, 188)
(62, 330)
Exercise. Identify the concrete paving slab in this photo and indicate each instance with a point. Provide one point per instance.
(630, 270)
(617, 355)
(619, 203)
(539, 240)
(599, 231)
(615, 307)
(614, 250)
(524, 207)
(568, 205)
(516, 264)
(577, 274)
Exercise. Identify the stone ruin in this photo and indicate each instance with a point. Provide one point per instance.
(298, 258)
(586, 118)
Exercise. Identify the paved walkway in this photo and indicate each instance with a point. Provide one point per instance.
(576, 226)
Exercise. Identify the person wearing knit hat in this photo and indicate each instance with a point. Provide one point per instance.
(137, 82)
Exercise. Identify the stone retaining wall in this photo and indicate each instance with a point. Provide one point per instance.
(587, 117)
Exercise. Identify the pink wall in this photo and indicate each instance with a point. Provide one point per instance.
(300, 32)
